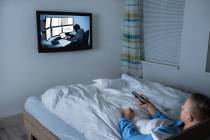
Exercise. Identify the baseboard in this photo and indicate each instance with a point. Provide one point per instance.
(11, 120)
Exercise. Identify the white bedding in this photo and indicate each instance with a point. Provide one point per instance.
(94, 110)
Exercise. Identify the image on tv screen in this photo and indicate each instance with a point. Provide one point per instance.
(48, 22)
(48, 34)
(64, 31)
(56, 31)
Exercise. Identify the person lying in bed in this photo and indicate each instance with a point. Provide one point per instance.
(195, 109)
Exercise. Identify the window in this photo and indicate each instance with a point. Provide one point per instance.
(57, 26)
(56, 22)
(67, 29)
(163, 21)
(48, 22)
(67, 21)
(48, 34)
(56, 31)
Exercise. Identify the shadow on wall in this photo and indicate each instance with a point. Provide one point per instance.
(208, 57)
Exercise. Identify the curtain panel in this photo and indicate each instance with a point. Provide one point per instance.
(132, 38)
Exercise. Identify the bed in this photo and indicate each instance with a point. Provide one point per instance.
(42, 124)
(61, 111)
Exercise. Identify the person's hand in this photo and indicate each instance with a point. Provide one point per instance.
(128, 113)
(150, 107)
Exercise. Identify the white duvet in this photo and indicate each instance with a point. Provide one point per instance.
(94, 109)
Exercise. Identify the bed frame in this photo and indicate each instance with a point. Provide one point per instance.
(36, 131)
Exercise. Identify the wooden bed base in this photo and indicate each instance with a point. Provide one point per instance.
(36, 131)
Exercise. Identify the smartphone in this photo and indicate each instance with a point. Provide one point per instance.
(141, 98)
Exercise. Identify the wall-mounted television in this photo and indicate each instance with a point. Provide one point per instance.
(63, 31)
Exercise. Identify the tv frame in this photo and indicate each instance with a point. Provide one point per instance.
(42, 49)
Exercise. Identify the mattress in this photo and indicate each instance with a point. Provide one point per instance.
(58, 127)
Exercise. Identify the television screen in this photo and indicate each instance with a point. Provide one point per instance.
(64, 31)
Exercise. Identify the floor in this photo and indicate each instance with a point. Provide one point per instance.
(14, 132)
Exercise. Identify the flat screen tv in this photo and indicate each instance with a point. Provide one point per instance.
(63, 31)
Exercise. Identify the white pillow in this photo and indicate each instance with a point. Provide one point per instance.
(130, 81)
(108, 83)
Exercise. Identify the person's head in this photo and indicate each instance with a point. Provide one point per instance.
(76, 27)
(195, 109)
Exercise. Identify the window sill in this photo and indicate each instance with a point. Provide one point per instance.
(161, 64)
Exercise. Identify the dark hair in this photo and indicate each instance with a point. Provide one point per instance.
(76, 27)
(200, 106)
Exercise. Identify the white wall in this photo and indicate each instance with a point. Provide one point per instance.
(191, 75)
(25, 72)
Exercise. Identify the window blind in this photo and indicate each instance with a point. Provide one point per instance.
(163, 21)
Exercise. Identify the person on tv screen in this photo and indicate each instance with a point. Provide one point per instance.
(79, 34)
